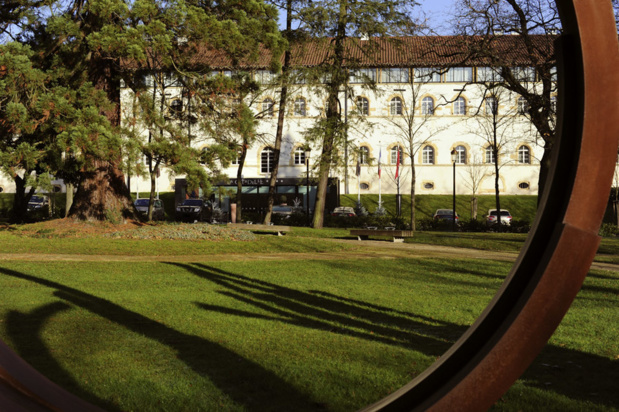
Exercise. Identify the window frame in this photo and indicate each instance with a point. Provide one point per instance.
(461, 152)
(524, 155)
(270, 110)
(458, 75)
(297, 107)
(459, 106)
(364, 155)
(363, 109)
(395, 75)
(267, 154)
(299, 156)
(489, 155)
(393, 153)
(428, 155)
(396, 106)
(427, 110)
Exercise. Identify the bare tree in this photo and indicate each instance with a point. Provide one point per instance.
(414, 125)
(475, 172)
(529, 27)
(494, 122)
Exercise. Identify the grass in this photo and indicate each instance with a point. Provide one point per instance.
(278, 335)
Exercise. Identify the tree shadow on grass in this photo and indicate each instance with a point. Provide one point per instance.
(25, 329)
(315, 310)
(244, 381)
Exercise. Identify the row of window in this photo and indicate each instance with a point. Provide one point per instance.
(378, 75)
(396, 106)
(428, 156)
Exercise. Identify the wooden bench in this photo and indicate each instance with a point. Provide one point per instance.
(280, 230)
(397, 235)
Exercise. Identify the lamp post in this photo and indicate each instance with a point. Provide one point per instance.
(454, 156)
(307, 189)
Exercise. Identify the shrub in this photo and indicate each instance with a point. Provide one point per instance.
(609, 230)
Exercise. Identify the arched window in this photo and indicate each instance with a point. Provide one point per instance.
(427, 106)
(299, 156)
(267, 107)
(523, 106)
(364, 186)
(300, 107)
(267, 158)
(363, 106)
(364, 155)
(524, 155)
(460, 155)
(427, 155)
(395, 106)
(176, 108)
(459, 106)
(489, 154)
(492, 105)
(394, 155)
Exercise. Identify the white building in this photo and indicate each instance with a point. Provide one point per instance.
(451, 113)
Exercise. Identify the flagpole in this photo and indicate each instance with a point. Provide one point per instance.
(380, 152)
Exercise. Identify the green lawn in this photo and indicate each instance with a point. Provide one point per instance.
(279, 335)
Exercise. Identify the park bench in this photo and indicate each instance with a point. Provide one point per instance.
(396, 235)
(279, 229)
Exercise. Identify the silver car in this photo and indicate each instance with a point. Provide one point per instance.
(142, 206)
(493, 217)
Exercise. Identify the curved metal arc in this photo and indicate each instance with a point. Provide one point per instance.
(493, 353)
(505, 339)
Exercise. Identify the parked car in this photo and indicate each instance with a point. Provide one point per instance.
(492, 218)
(192, 210)
(38, 207)
(345, 211)
(445, 215)
(142, 206)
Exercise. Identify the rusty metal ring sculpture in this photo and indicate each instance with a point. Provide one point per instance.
(481, 366)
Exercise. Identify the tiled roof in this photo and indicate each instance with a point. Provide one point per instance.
(414, 51)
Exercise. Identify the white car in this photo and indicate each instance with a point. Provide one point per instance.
(493, 217)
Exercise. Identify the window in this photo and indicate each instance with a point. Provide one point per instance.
(460, 155)
(427, 75)
(553, 104)
(523, 106)
(299, 156)
(299, 107)
(364, 186)
(395, 75)
(267, 107)
(227, 73)
(237, 160)
(176, 108)
(427, 106)
(265, 77)
(428, 185)
(524, 74)
(394, 155)
(364, 155)
(492, 105)
(489, 74)
(297, 77)
(489, 155)
(427, 155)
(267, 158)
(362, 76)
(523, 185)
(524, 155)
(395, 106)
(459, 107)
(459, 75)
(363, 106)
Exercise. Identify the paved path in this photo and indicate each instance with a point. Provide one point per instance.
(370, 249)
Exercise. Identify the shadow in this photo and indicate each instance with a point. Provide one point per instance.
(244, 381)
(560, 370)
(324, 312)
(24, 330)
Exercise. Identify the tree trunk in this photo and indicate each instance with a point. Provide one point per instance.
(102, 193)
(474, 207)
(239, 184)
(19, 212)
(281, 112)
(413, 202)
(69, 198)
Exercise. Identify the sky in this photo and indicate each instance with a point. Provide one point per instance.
(438, 12)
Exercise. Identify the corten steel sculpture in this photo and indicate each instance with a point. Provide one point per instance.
(548, 274)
